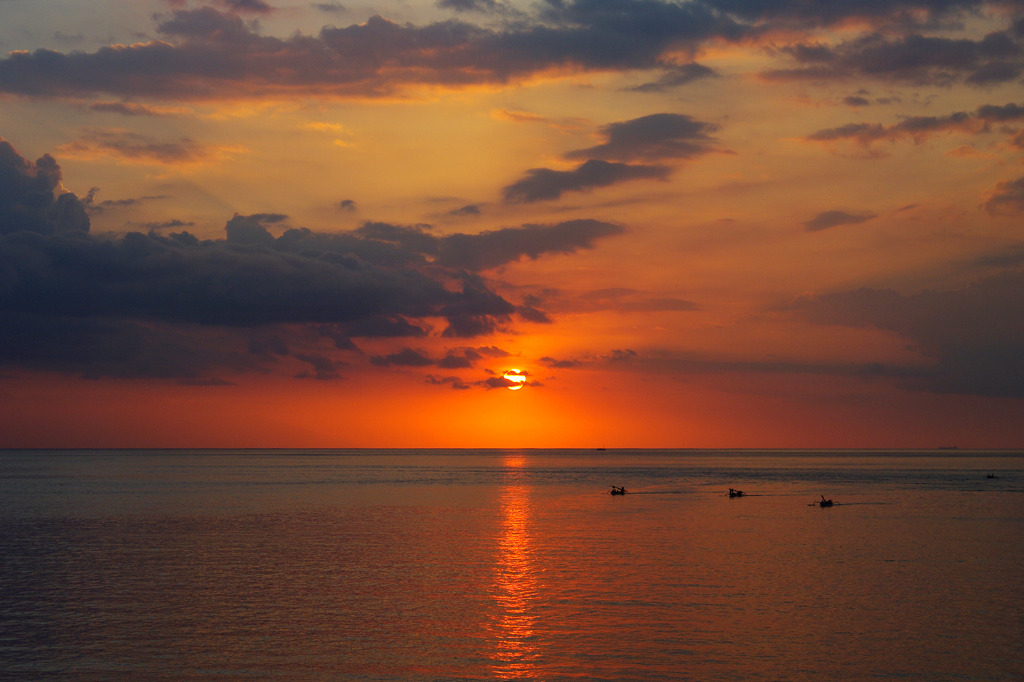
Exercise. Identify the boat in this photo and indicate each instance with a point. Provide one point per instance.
(735, 493)
(824, 502)
(618, 490)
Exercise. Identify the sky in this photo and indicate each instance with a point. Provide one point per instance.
(699, 223)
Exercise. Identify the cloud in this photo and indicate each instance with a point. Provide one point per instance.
(498, 247)
(785, 14)
(452, 381)
(136, 109)
(32, 199)
(206, 54)
(829, 219)
(138, 148)
(464, 211)
(549, 361)
(654, 137)
(247, 6)
(94, 207)
(407, 357)
(168, 224)
(975, 347)
(323, 368)
(677, 76)
(330, 7)
(1006, 198)
(542, 184)
(912, 58)
(492, 249)
(76, 300)
(920, 128)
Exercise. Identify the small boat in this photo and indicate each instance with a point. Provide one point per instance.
(824, 502)
(618, 490)
(735, 493)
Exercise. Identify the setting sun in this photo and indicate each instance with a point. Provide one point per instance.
(516, 379)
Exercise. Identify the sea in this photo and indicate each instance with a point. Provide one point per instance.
(511, 565)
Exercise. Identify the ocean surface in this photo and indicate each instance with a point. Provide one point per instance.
(518, 564)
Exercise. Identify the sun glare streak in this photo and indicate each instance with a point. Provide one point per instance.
(515, 585)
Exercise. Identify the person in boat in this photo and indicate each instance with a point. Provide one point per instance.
(618, 490)
(824, 502)
(735, 493)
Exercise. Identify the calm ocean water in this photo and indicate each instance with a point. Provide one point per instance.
(471, 565)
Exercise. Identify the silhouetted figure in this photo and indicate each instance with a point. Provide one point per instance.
(824, 502)
(618, 490)
(735, 493)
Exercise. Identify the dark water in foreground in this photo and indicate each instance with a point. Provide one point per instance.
(437, 565)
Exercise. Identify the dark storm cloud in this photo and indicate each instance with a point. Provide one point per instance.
(654, 137)
(973, 336)
(542, 184)
(829, 219)
(914, 58)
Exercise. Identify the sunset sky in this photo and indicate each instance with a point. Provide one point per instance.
(710, 223)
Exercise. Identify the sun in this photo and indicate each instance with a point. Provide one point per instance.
(516, 379)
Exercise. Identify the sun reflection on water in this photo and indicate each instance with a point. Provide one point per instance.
(515, 585)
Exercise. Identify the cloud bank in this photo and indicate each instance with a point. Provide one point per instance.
(170, 304)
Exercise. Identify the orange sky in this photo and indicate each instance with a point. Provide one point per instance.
(692, 224)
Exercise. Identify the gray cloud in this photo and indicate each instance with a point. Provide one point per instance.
(169, 304)
(1007, 198)
(971, 335)
(407, 357)
(542, 184)
(494, 248)
(207, 54)
(912, 58)
(920, 128)
(676, 77)
(137, 147)
(654, 137)
(451, 381)
(31, 197)
(829, 219)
